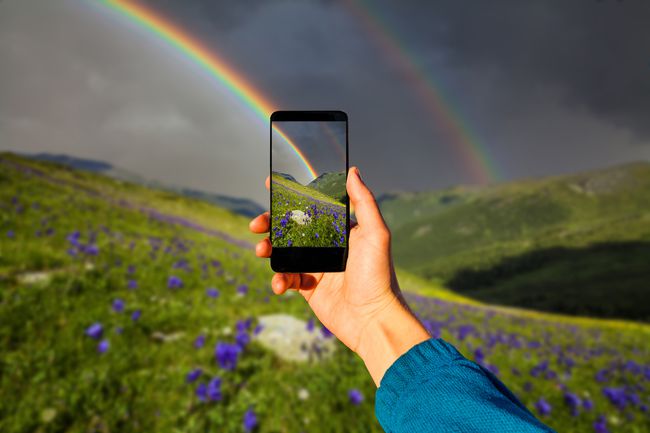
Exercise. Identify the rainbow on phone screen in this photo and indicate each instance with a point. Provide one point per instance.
(308, 184)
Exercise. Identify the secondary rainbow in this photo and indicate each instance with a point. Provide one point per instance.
(472, 151)
(178, 38)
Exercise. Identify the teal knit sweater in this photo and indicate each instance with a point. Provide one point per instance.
(433, 388)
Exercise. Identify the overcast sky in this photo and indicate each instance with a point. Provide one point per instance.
(544, 87)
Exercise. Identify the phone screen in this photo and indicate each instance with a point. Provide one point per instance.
(308, 184)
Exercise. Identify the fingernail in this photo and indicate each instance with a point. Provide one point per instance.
(356, 169)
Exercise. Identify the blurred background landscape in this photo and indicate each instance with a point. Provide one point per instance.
(512, 164)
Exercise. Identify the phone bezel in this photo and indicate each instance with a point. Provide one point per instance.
(309, 259)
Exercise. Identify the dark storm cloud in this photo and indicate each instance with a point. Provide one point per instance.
(596, 54)
(544, 87)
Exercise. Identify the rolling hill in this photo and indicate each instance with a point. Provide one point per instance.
(576, 244)
(332, 184)
(239, 205)
(117, 300)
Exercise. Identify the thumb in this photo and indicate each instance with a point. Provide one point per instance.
(365, 206)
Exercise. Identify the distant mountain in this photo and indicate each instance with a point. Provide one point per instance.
(331, 184)
(238, 205)
(286, 176)
(563, 244)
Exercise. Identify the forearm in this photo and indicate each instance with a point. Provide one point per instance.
(388, 336)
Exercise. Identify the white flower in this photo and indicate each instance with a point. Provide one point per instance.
(303, 394)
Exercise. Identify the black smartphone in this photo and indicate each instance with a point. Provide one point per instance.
(309, 205)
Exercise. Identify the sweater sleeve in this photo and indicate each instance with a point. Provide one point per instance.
(433, 388)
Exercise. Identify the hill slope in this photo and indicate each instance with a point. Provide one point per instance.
(111, 294)
(558, 244)
(332, 184)
(238, 205)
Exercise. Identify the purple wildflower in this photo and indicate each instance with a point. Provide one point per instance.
(227, 355)
(289, 242)
(573, 401)
(242, 289)
(136, 315)
(193, 375)
(258, 329)
(616, 396)
(118, 305)
(543, 407)
(91, 250)
(199, 342)
(250, 420)
(355, 397)
(132, 284)
(242, 339)
(214, 389)
(310, 325)
(174, 282)
(103, 346)
(202, 391)
(212, 292)
(600, 425)
(325, 332)
(11, 234)
(95, 331)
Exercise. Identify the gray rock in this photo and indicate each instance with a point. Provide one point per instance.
(289, 339)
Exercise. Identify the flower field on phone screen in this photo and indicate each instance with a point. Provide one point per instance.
(303, 220)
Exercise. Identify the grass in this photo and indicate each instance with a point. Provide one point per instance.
(452, 235)
(325, 218)
(54, 379)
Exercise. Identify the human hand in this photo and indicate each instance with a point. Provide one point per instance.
(362, 306)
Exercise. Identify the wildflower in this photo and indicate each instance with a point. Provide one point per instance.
(250, 420)
(258, 329)
(214, 389)
(212, 292)
(227, 355)
(325, 332)
(132, 284)
(202, 391)
(317, 235)
(543, 407)
(289, 242)
(11, 234)
(310, 325)
(103, 346)
(91, 250)
(118, 305)
(193, 375)
(616, 396)
(242, 289)
(284, 222)
(587, 404)
(95, 331)
(355, 397)
(136, 315)
(199, 342)
(242, 339)
(174, 282)
(573, 401)
(600, 425)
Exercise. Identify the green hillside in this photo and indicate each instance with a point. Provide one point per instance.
(332, 184)
(116, 301)
(575, 244)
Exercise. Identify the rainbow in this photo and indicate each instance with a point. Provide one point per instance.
(179, 39)
(471, 150)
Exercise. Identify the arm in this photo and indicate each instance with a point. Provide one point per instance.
(426, 385)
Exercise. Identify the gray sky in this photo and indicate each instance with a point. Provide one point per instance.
(545, 87)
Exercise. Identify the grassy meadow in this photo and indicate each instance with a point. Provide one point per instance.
(127, 309)
(305, 217)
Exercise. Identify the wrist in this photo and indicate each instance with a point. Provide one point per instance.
(387, 336)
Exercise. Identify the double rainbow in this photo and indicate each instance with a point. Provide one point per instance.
(208, 60)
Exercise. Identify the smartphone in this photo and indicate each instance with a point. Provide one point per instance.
(309, 204)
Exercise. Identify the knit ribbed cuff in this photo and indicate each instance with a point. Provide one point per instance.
(422, 360)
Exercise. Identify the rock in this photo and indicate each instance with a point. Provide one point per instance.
(300, 217)
(289, 339)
